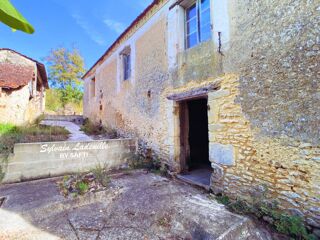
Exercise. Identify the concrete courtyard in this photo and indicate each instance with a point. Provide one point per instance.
(137, 205)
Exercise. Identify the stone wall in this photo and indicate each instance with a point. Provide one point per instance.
(40, 160)
(270, 113)
(138, 101)
(263, 117)
(17, 108)
(245, 161)
(16, 105)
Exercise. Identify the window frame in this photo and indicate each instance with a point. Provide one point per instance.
(126, 64)
(92, 86)
(198, 17)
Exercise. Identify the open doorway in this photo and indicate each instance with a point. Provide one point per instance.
(194, 139)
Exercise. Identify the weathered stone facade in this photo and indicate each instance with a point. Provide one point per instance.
(22, 88)
(264, 116)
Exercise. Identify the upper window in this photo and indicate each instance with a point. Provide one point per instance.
(198, 23)
(126, 66)
(93, 87)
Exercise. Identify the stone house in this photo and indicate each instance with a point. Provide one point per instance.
(22, 88)
(229, 88)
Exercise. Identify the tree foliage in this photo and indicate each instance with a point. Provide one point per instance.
(66, 67)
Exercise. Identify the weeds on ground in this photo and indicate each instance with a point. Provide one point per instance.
(154, 165)
(223, 199)
(137, 161)
(101, 175)
(73, 185)
(82, 187)
(93, 129)
(165, 221)
(80, 184)
(293, 226)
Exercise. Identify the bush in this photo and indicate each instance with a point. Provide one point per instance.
(101, 175)
(53, 100)
(7, 128)
(292, 226)
(223, 199)
(59, 100)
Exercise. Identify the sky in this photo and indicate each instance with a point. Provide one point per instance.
(91, 26)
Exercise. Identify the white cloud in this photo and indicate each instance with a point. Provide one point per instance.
(94, 35)
(118, 27)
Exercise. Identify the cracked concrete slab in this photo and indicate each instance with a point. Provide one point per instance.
(137, 205)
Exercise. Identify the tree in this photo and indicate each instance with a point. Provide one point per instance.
(66, 67)
(10, 16)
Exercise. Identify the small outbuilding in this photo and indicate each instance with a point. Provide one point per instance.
(23, 81)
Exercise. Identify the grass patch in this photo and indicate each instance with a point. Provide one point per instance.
(6, 128)
(10, 135)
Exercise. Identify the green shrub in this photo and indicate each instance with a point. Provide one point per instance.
(82, 187)
(223, 199)
(292, 226)
(53, 100)
(101, 175)
(7, 128)
(59, 99)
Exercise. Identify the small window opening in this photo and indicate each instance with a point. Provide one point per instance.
(93, 87)
(126, 62)
(126, 66)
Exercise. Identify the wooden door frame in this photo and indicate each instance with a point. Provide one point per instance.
(184, 132)
(184, 136)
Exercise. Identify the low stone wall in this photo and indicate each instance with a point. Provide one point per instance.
(40, 160)
(69, 118)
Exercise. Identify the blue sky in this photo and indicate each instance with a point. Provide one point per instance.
(91, 26)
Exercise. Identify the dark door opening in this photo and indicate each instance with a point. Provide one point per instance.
(198, 135)
(194, 139)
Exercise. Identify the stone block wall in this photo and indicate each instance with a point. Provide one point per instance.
(290, 172)
(17, 108)
(16, 105)
(264, 117)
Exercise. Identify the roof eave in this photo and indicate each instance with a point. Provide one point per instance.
(155, 2)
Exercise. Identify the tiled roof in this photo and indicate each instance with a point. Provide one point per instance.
(15, 76)
(40, 66)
